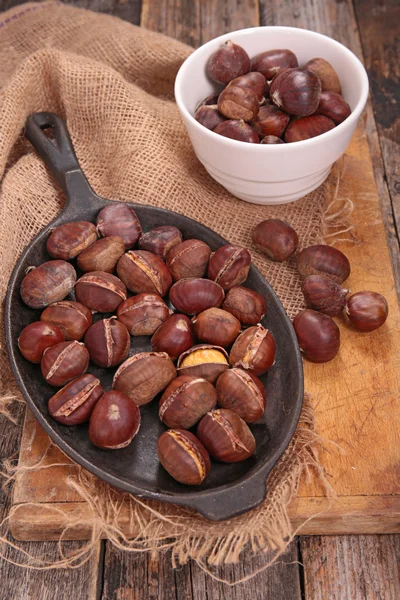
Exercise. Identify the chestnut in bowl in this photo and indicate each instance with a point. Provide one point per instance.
(216, 326)
(160, 240)
(203, 360)
(49, 282)
(70, 239)
(73, 318)
(188, 259)
(108, 342)
(241, 392)
(245, 304)
(229, 265)
(192, 296)
(36, 337)
(226, 436)
(174, 336)
(183, 456)
(253, 350)
(100, 291)
(185, 401)
(63, 362)
(143, 314)
(114, 422)
(74, 403)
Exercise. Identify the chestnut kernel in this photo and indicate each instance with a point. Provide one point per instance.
(143, 314)
(297, 91)
(275, 238)
(271, 139)
(68, 240)
(183, 456)
(253, 81)
(229, 265)
(71, 317)
(142, 271)
(241, 392)
(327, 75)
(226, 436)
(63, 362)
(254, 350)
(333, 106)
(203, 360)
(160, 240)
(246, 305)
(209, 116)
(270, 121)
(119, 219)
(192, 296)
(188, 259)
(185, 401)
(237, 130)
(48, 283)
(102, 255)
(271, 62)
(174, 336)
(317, 334)
(108, 342)
(216, 326)
(323, 260)
(367, 311)
(74, 403)
(228, 62)
(36, 337)
(308, 127)
(324, 295)
(114, 422)
(99, 291)
(238, 103)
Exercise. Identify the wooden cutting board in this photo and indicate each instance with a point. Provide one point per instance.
(357, 399)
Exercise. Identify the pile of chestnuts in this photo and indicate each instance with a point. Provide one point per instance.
(271, 99)
(109, 282)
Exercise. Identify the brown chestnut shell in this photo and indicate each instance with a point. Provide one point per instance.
(333, 106)
(254, 350)
(226, 436)
(275, 238)
(100, 291)
(70, 239)
(36, 337)
(108, 342)
(188, 259)
(296, 91)
(270, 121)
(73, 318)
(327, 75)
(142, 271)
(63, 362)
(49, 282)
(209, 116)
(237, 130)
(160, 240)
(306, 128)
(271, 139)
(317, 334)
(216, 326)
(143, 314)
(183, 456)
(117, 218)
(228, 62)
(174, 336)
(203, 360)
(229, 265)
(324, 295)
(272, 62)
(245, 304)
(238, 103)
(185, 401)
(253, 81)
(242, 393)
(114, 422)
(323, 260)
(192, 296)
(74, 403)
(367, 310)
(102, 255)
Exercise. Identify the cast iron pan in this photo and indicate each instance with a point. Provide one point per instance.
(229, 489)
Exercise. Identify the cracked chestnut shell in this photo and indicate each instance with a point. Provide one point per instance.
(275, 238)
(48, 283)
(270, 121)
(327, 75)
(160, 240)
(72, 318)
(209, 116)
(142, 376)
(114, 422)
(142, 271)
(192, 296)
(143, 314)
(241, 392)
(100, 291)
(229, 265)
(203, 360)
(238, 103)
(254, 350)
(323, 260)
(188, 259)
(183, 456)
(296, 91)
(102, 255)
(36, 337)
(185, 401)
(317, 334)
(324, 295)
(228, 62)
(333, 106)
(69, 240)
(226, 436)
(253, 81)
(174, 336)
(216, 326)
(308, 127)
(367, 311)
(74, 403)
(108, 342)
(237, 130)
(272, 62)
(246, 305)
(63, 362)
(119, 219)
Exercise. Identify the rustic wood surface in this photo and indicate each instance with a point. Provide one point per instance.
(335, 568)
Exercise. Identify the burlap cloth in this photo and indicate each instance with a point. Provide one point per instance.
(113, 83)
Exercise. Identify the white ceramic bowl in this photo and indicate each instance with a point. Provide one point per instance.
(271, 174)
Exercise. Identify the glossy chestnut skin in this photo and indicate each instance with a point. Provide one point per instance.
(69, 240)
(208, 101)
(271, 139)
(142, 376)
(254, 350)
(229, 265)
(226, 436)
(74, 403)
(246, 305)
(367, 311)
(317, 334)
(237, 130)
(108, 342)
(242, 393)
(143, 314)
(102, 255)
(119, 219)
(271, 62)
(216, 326)
(253, 81)
(323, 260)
(185, 401)
(270, 121)
(183, 456)
(228, 62)
(324, 295)
(333, 106)
(36, 337)
(327, 75)
(48, 283)
(174, 336)
(71, 317)
(114, 422)
(203, 360)
(142, 271)
(209, 116)
(308, 127)
(100, 291)
(238, 103)
(188, 259)
(160, 240)
(63, 362)
(192, 296)
(296, 91)
(275, 238)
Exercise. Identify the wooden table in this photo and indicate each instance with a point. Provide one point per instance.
(326, 568)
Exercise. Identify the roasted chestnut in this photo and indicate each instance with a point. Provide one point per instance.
(36, 337)
(74, 403)
(324, 295)
(276, 238)
(216, 326)
(192, 296)
(143, 314)
(317, 334)
(237, 130)
(71, 317)
(272, 62)
(308, 127)
(333, 106)
(203, 360)
(48, 283)
(68, 240)
(209, 116)
(119, 219)
(99, 291)
(183, 456)
(297, 91)
(253, 81)
(208, 101)
(160, 240)
(228, 62)
(185, 401)
(114, 422)
(241, 392)
(323, 260)
(188, 259)
(174, 336)
(238, 103)
(367, 311)
(226, 436)
(229, 265)
(142, 376)
(253, 350)
(326, 74)
(108, 342)
(271, 139)
(246, 305)
(63, 362)
(143, 271)
(270, 121)
(102, 255)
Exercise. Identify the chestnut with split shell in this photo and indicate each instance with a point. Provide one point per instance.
(317, 334)
(108, 342)
(160, 240)
(49, 282)
(245, 304)
(272, 62)
(323, 260)
(63, 362)
(237, 130)
(275, 238)
(73, 318)
(253, 350)
(229, 265)
(74, 403)
(36, 337)
(226, 436)
(143, 314)
(100, 291)
(296, 91)
(68, 240)
(242, 393)
(188, 259)
(174, 336)
(238, 103)
(185, 401)
(142, 271)
(183, 456)
(203, 360)
(114, 422)
(367, 311)
(228, 62)
(119, 219)
(102, 255)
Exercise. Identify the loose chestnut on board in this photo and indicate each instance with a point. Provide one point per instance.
(238, 130)
(183, 456)
(209, 116)
(297, 91)
(324, 295)
(308, 127)
(36, 337)
(271, 139)
(216, 326)
(275, 238)
(69, 240)
(119, 219)
(327, 75)
(271, 62)
(100, 291)
(143, 314)
(142, 271)
(102, 255)
(226, 436)
(323, 260)
(242, 393)
(73, 404)
(160, 240)
(71, 317)
(185, 401)
(48, 283)
(254, 350)
(367, 311)
(63, 362)
(333, 106)
(203, 360)
(108, 342)
(245, 304)
(238, 103)
(142, 376)
(174, 336)
(188, 259)
(229, 265)
(192, 296)
(270, 121)
(253, 81)
(317, 334)
(228, 62)
(114, 422)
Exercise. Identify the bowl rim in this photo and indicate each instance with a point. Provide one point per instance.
(349, 122)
